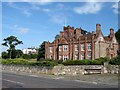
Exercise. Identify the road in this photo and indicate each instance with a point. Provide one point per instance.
(12, 80)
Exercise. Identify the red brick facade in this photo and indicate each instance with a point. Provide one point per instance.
(74, 45)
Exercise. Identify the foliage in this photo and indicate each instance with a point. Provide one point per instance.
(11, 42)
(14, 54)
(29, 56)
(5, 55)
(115, 61)
(26, 62)
(41, 51)
(103, 59)
(57, 36)
(117, 34)
(82, 62)
(26, 56)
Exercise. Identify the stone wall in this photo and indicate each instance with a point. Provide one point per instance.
(62, 70)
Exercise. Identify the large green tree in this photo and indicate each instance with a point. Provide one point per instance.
(11, 42)
(41, 51)
(117, 34)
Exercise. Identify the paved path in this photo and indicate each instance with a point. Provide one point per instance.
(12, 80)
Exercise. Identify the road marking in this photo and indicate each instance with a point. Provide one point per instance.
(58, 78)
(33, 75)
(12, 81)
(86, 82)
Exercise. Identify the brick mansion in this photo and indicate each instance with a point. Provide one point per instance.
(72, 44)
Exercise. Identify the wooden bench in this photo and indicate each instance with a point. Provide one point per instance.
(92, 71)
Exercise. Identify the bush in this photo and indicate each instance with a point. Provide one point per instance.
(115, 61)
(82, 62)
(5, 55)
(26, 56)
(26, 62)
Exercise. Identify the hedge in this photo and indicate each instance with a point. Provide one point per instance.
(115, 61)
(26, 62)
(82, 62)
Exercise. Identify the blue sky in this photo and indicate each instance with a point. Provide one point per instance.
(34, 23)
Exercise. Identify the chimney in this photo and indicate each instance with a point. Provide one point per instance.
(77, 32)
(111, 32)
(98, 28)
(61, 34)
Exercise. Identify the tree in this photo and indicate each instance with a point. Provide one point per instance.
(57, 36)
(41, 51)
(19, 53)
(11, 42)
(5, 55)
(117, 34)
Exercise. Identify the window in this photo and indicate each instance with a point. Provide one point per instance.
(65, 57)
(76, 47)
(60, 57)
(60, 48)
(82, 47)
(51, 49)
(76, 57)
(51, 57)
(89, 47)
(65, 47)
(82, 56)
(89, 56)
(101, 38)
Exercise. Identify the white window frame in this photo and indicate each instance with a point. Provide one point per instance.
(89, 56)
(65, 57)
(51, 57)
(82, 57)
(51, 49)
(60, 57)
(76, 47)
(89, 46)
(76, 57)
(60, 48)
(65, 47)
(82, 47)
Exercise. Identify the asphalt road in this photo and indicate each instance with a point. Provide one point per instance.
(10, 80)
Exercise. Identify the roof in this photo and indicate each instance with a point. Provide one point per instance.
(107, 38)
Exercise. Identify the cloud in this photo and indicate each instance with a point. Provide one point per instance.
(58, 18)
(24, 10)
(20, 30)
(89, 8)
(23, 30)
(27, 13)
(116, 8)
(46, 10)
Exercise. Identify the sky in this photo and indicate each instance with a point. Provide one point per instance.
(35, 22)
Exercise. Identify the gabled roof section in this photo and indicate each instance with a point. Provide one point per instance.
(88, 36)
(63, 41)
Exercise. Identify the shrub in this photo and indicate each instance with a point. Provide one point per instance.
(5, 55)
(115, 61)
(26, 56)
(82, 62)
(26, 62)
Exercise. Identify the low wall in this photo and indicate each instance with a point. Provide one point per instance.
(62, 70)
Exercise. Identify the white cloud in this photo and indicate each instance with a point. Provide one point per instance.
(46, 10)
(20, 30)
(27, 13)
(89, 8)
(116, 8)
(58, 18)
(23, 30)
(24, 10)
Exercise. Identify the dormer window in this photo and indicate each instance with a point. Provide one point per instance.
(101, 38)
